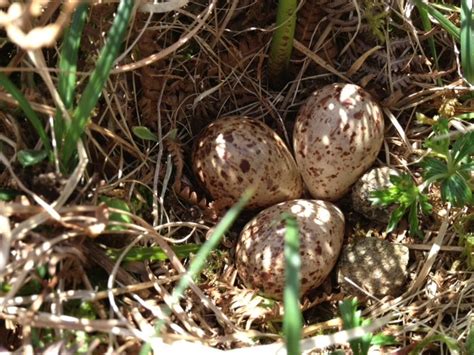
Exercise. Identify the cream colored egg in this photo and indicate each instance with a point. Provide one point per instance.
(337, 137)
(235, 153)
(260, 259)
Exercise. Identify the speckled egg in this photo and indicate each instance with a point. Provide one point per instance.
(235, 153)
(260, 259)
(337, 137)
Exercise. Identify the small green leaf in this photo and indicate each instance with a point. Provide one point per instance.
(153, 253)
(395, 218)
(425, 205)
(31, 157)
(407, 196)
(455, 190)
(42, 271)
(7, 195)
(5, 287)
(116, 216)
(144, 133)
(383, 340)
(434, 167)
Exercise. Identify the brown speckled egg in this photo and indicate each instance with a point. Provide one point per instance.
(235, 153)
(337, 137)
(260, 256)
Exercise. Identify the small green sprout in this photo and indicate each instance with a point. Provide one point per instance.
(351, 318)
(410, 199)
(449, 166)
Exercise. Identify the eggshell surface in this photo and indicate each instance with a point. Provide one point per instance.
(337, 136)
(260, 259)
(235, 153)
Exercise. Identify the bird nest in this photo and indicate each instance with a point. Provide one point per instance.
(67, 280)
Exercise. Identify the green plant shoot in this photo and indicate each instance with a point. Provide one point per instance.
(93, 90)
(467, 40)
(68, 68)
(351, 318)
(282, 41)
(406, 194)
(449, 166)
(292, 320)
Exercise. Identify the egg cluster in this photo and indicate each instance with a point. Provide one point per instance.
(337, 136)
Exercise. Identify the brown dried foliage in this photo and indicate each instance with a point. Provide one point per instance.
(312, 21)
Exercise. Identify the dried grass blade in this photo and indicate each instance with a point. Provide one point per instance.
(361, 60)
(199, 261)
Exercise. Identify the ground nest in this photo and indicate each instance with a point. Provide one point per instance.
(67, 281)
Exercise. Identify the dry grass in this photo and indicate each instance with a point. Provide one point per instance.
(182, 69)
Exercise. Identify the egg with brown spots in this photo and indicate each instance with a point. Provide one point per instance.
(337, 136)
(235, 153)
(260, 259)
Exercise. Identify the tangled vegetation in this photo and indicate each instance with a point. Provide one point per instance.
(109, 244)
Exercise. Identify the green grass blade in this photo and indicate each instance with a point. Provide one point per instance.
(145, 133)
(292, 319)
(31, 157)
(69, 54)
(97, 81)
(466, 116)
(27, 110)
(282, 41)
(426, 23)
(351, 319)
(199, 260)
(68, 68)
(467, 40)
(443, 21)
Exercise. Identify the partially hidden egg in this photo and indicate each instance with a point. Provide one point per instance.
(236, 153)
(337, 136)
(260, 259)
